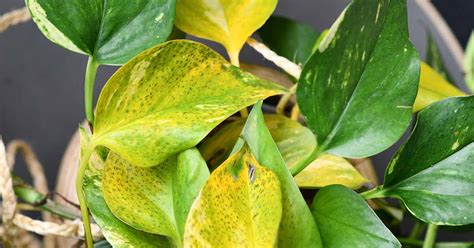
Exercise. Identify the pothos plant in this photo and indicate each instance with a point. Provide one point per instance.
(158, 170)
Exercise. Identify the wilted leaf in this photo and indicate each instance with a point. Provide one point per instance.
(115, 231)
(288, 38)
(433, 172)
(156, 199)
(170, 97)
(433, 87)
(240, 205)
(357, 90)
(110, 31)
(227, 22)
(345, 220)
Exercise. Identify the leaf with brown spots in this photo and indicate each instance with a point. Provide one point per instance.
(169, 98)
(155, 199)
(432, 173)
(240, 205)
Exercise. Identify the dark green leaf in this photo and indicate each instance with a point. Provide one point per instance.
(357, 90)
(469, 63)
(111, 31)
(345, 220)
(297, 228)
(435, 60)
(115, 231)
(433, 172)
(288, 38)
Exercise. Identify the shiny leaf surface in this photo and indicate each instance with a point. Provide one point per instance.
(432, 172)
(297, 228)
(155, 199)
(345, 220)
(169, 98)
(115, 231)
(357, 90)
(433, 87)
(110, 31)
(288, 38)
(227, 22)
(239, 205)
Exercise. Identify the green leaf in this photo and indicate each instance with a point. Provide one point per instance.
(345, 220)
(435, 59)
(297, 228)
(239, 205)
(110, 31)
(357, 90)
(433, 172)
(155, 199)
(227, 22)
(288, 38)
(169, 98)
(432, 88)
(115, 231)
(469, 63)
(295, 142)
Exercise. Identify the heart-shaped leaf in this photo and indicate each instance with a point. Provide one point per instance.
(227, 22)
(240, 205)
(110, 31)
(288, 38)
(357, 90)
(297, 229)
(115, 231)
(295, 142)
(345, 220)
(433, 87)
(433, 172)
(156, 199)
(169, 98)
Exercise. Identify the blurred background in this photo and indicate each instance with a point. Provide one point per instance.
(41, 84)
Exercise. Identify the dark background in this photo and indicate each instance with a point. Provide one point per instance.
(41, 83)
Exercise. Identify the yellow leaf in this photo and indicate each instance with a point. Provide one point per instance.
(328, 170)
(433, 87)
(240, 205)
(227, 22)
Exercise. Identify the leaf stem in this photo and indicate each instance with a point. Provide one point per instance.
(89, 82)
(280, 108)
(377, 192)
(430, 237)
(297, 168)
(409, 241)
(81, 196)
(417, 229)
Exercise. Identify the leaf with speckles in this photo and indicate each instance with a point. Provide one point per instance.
(357, 90)
(297, 227)
(116, 232)
(433, 87)
(155, 199)
(227, 22)
(168, 98)
(240, 204)
(110, 31)
(432, 173)
(345, 220)
(288, 38)
(294, 142)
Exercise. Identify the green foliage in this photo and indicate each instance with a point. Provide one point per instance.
(147, 185)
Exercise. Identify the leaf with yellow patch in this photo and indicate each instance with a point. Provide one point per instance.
(169, 98)
(227, 22)
(156, 199)
(432, 88)
(239, 205)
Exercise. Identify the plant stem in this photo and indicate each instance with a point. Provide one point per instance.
(417, 229)
(89, 82)
(409, 241)
(280, 108)
(297, 168)
(430, 237)
(234, 60)
(81, 196)
(295, 112)
(377, 192)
